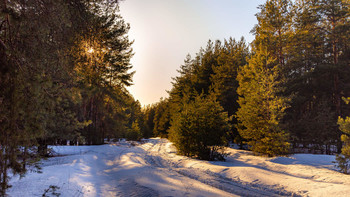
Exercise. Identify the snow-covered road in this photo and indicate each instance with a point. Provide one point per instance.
(153, 169)
(111, 170)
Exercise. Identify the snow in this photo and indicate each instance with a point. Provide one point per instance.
(154, 169)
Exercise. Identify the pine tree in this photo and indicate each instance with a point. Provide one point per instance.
(202, 72)
(34, 79)
(317, 72)
(306, 54)
(102, 63)
(162, 118)
(261, 109)
(40, 86)
(336, 27)
(344, 159)
(232, 57)
(199, 130)
(148, 114)
(134, 132)
(262, 106)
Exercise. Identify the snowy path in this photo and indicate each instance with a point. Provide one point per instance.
(160, 156)
(110, 170)
(153, 169)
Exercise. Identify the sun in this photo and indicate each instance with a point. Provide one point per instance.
(90, 50)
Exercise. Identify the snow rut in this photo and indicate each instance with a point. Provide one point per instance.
(158, 155)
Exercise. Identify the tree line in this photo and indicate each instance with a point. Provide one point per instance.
(64, 69)
(281, 94)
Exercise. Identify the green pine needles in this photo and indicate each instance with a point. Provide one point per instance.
(343, 160)
(261, 109)
(199, 129)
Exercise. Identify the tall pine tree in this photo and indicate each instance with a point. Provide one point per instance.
(262, 106)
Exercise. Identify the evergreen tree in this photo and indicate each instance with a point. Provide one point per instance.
(317, 72)
(306, 54)
(199, 129)
(261, 109)
(212, 71)
(262, 106)
(232, 57)
(162, 118)
(344, 159)
(42, 87)
(148, 114)
(102, 63)
(35, 84)
(335, 25)
(204, 70)
(134, 132)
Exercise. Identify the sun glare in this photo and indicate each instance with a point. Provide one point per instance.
(90, 50)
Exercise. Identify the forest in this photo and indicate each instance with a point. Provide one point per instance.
(284, 93)
(63, 80)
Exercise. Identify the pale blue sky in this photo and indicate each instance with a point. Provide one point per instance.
(165, 31)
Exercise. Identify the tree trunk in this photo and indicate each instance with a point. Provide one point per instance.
(43, 148)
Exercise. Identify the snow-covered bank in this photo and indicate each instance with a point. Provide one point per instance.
(154, 169)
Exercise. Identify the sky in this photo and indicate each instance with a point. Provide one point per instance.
(165, 31)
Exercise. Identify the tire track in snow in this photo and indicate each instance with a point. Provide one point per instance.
(153, 157)
(156, 156)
